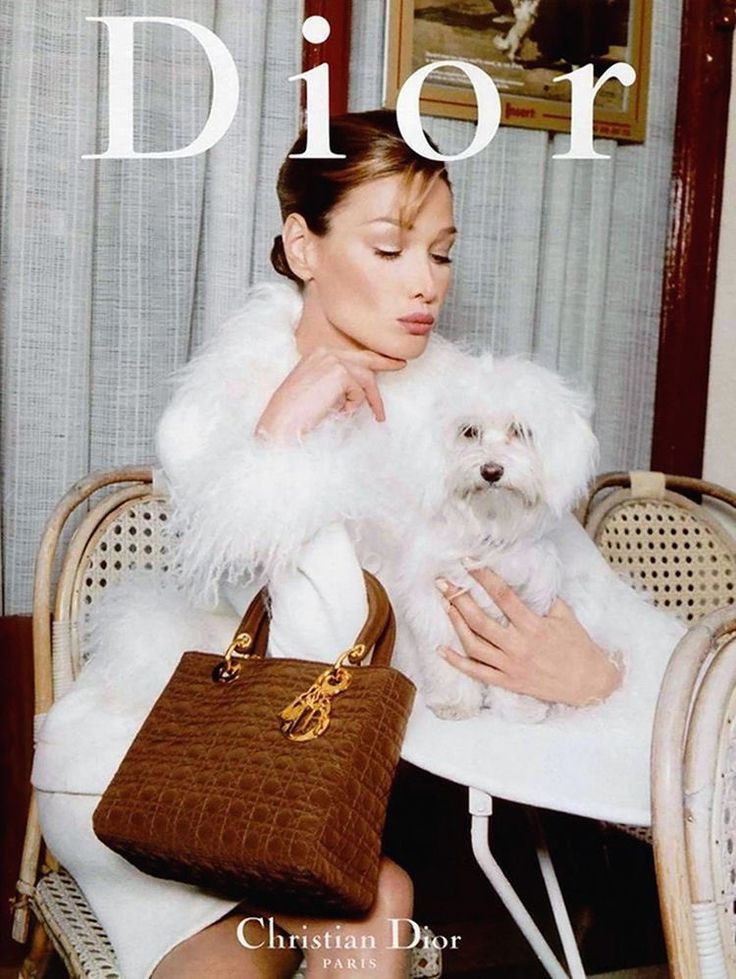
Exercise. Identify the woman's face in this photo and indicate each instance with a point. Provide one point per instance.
(371, 282)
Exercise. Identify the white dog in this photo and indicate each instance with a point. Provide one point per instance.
(502, 460)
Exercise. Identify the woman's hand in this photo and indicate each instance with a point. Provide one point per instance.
(324, 380)
(551, 657)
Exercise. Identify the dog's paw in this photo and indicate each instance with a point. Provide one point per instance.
(515, 707)
(455, 711)
(458, 698)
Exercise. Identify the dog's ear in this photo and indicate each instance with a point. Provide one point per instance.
(559, 419)
(570, 455)
(570, 451)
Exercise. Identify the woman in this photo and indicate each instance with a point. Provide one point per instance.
(261, 446)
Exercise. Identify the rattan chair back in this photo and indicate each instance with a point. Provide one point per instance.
(124, 532)
(666, 544)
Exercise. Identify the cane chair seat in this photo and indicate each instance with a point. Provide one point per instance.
(77, 935)
(123, 529)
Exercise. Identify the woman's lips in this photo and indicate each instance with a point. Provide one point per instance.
(417, 323)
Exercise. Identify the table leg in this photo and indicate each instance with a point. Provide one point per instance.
(481, 809)
(554, 892)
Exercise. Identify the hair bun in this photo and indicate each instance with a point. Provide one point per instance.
(279, 261)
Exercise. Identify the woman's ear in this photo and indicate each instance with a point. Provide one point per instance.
(297, 239)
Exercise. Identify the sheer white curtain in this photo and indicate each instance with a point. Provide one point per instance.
(561, 259)
(113, 270)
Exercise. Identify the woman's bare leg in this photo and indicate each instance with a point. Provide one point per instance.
(217, 953)
(395, 899)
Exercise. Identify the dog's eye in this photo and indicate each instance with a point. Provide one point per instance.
(470, 432)
(517, 431)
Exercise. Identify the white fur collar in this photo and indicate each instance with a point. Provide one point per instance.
(262, 332)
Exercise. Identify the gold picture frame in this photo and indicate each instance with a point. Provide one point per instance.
(522, 45)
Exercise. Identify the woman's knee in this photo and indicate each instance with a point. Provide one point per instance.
(395, 890)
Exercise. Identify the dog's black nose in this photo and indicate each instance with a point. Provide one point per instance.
(491, 472)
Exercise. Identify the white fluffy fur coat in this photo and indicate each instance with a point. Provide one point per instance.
(299, 516)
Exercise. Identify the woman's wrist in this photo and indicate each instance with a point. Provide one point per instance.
(607, 680)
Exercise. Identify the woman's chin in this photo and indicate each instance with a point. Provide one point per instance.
(406, 347)
(399, 345)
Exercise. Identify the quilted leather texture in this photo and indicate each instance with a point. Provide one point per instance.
(212, 793)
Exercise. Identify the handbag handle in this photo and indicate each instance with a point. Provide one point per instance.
(379, 630)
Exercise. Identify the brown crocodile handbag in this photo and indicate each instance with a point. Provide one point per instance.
(267, 779)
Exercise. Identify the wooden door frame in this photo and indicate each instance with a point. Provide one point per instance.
(691, 254)
(335, 50)
(696, 196)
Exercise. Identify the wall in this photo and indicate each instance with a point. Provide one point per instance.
(720, 439)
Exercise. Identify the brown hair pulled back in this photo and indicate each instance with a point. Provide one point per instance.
(373, 147)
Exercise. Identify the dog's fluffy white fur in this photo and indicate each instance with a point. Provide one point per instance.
(498, 463)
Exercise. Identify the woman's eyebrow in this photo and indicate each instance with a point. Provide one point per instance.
(451, 230)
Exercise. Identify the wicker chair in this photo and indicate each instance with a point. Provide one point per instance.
(693, 796)
(120, 519)
(672, 549)
(709, 798)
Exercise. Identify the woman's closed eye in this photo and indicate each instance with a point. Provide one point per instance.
(390, 254)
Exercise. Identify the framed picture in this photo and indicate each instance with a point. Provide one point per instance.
(523, 45)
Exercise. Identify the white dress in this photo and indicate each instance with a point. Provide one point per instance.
(299, 515)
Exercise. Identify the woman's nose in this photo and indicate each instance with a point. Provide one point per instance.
(423, 285)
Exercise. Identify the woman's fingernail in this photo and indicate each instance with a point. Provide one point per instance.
(444, 586)
(440, 650)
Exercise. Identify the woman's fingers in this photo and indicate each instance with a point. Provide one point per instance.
(479, 621)
(561, 610)
(550, 657)
(359, 377)
(323, 381)
(474, 645)
(506, 599)
(369, 385)
(482, 672)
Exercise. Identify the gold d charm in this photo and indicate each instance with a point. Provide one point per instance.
(308, 715)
